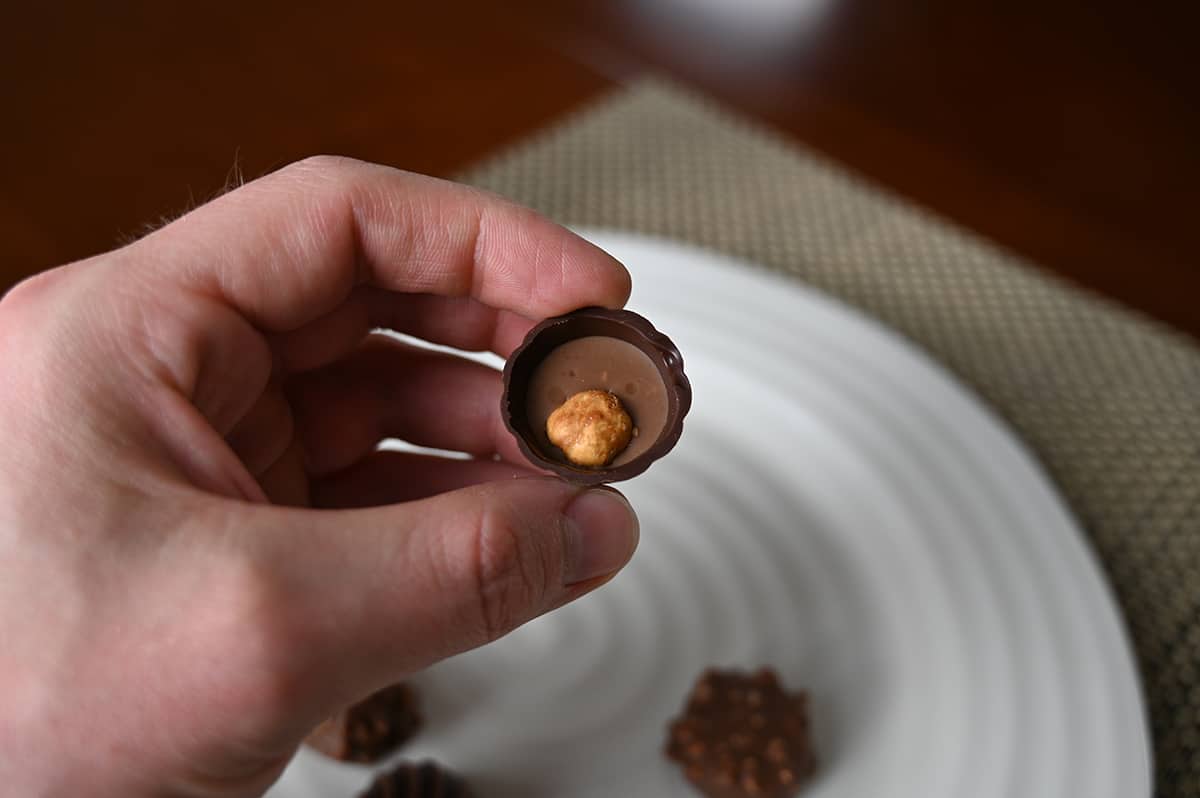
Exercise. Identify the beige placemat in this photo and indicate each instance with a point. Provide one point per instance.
(1110, 401)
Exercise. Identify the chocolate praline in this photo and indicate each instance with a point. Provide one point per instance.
(596, 348)
(742, 735)
(418, 780)
(371, 729)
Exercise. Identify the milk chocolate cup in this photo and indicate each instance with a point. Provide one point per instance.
(596, 323)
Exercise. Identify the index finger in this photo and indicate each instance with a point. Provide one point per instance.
(290, 247)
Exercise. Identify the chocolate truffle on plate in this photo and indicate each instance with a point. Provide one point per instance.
(371, 729)
(743, 736)
(596, 395)
(417, 780)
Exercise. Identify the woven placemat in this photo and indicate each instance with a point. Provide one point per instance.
(1109, 400)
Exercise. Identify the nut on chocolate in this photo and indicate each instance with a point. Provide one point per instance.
(743, 735)
(591, 428)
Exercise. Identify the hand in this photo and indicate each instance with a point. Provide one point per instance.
(174, 618)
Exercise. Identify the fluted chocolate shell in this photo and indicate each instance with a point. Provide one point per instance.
(621, 325)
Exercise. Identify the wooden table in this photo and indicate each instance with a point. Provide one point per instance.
(1065, 130)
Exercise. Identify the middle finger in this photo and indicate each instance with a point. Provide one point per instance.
(388, 389)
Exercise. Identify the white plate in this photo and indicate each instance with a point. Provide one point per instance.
(840, 509)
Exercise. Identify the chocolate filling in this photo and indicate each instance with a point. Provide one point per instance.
(608, 364)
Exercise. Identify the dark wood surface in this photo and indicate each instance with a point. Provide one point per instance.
(1064, 130)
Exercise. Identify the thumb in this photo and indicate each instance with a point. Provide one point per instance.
(385, 591)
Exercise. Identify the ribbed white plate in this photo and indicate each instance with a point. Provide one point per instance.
(841, 509)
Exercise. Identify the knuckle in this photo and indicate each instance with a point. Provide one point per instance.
(31, 317)
(323, 164)
(512, 573)
(29, 292)
(264, 643)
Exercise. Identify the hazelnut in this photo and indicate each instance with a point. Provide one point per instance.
(591, 428)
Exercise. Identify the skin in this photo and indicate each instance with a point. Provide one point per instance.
(202, 554)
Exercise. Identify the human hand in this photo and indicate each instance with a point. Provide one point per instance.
(174, 617)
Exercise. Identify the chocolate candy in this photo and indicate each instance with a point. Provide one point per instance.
(419, 780)
(371, 729)
(616, 351)
(742, 735)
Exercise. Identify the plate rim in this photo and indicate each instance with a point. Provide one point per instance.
(746, 268)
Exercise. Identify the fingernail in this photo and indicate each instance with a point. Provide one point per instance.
(601, 533)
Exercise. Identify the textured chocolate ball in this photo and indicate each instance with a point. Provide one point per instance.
(371, 729)
(417, 780)
(743, 736)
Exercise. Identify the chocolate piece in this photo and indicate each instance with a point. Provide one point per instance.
(596, 349)
(371, 729)
(743, 735)
(417, 780)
